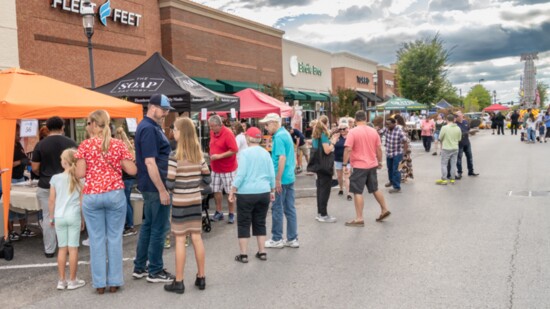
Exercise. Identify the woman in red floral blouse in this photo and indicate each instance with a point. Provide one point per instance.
(101, 160)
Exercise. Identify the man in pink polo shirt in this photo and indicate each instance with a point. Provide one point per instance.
(223, 162)
(364, 152)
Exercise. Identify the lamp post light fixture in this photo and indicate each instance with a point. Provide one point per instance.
(481, 80)
(88, 17)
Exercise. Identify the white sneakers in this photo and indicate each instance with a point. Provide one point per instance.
(282, 243)
(325, 219)
(71, 285)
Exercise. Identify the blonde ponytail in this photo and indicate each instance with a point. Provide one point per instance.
(74, 182)
(102, 119)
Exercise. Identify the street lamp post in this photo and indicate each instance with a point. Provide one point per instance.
(88, 16)
(481, 80)
(494, 97)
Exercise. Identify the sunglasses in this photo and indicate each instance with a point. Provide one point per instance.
(343, 129)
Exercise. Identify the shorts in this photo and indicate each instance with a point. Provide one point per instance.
(340, 165)
(304, 149)
(16, 214)
(68, 232)
(252, 211)
(222, 181)
(436, 137)
(360, 178)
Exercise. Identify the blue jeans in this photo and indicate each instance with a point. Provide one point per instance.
(284, 202)
(152, 234)
(467, 150)
(393, 170)
(128, 183)
(530, 135)
(104, 214)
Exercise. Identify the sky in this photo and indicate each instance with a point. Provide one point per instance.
(485, 38)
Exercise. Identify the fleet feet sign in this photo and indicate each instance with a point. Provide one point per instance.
(106, 13)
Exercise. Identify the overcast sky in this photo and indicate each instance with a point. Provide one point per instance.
(486, 37)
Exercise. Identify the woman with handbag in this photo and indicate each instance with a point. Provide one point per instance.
(323, 148)
(101, 160)
(186, 168)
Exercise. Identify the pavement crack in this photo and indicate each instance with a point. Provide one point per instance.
(512, 268)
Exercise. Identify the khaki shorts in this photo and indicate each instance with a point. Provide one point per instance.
(222, 181)
(304, 149)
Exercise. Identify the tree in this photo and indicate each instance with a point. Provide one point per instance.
(345, 105)
(471, 104)
(448, 92)
(421, 69)
(543, 92)
(482, 96)
(274, 89)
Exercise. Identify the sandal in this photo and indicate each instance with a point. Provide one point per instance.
(349, 197)
(383, 216)
(262, 256)
(243, 258)
(355, 223)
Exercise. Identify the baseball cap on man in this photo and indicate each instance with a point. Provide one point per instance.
(271, 117)
(254, 132)
(161, 101)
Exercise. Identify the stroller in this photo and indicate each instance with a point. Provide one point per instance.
(206, 223)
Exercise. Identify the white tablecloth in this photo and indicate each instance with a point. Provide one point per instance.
(24, 197)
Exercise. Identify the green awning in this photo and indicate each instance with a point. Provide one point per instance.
(313, 96)
(232, 86)
(294, 95)
(210, 84)
(333, 99)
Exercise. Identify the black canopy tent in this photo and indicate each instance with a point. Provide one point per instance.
(157, 75)
(366, 98)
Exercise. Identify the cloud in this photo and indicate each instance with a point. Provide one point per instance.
(257, 4)
(449, 5)
(353, 14)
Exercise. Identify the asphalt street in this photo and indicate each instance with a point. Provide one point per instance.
(481, 243)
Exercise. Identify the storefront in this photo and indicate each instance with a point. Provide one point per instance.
(219, 50)
(307, 81)
(9, 56)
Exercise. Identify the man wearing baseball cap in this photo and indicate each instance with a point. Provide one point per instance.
(284, 161)
(152, 151)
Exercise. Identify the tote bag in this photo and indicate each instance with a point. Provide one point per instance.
(320, 162)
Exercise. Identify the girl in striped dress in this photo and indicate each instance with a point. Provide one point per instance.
(185, 170)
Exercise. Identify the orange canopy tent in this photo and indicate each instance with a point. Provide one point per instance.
(256, 104)
(27, 95)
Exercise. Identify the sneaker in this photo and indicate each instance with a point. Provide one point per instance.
(61, 284)
(138, 274)
(231, 218)
(218, 216)
(394, 190)
(387, 185)
(27, 233)
(452, 181)
(14, 236)
(326, 219)
(161, 276)
(292, 243)
(129, 232)
(77, 283)
(441, 182)
(275, 244)
(86, 242)
(167, 244)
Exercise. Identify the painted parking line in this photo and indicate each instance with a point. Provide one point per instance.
(49, 264)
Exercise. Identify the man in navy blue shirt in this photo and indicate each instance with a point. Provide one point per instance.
(464, 146)
(300, 147)
(152, 152)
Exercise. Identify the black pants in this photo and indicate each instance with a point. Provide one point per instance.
(427, 142)
(324, 184)
(252, 210)
(514, 128)
(467, 150)
(500, 128)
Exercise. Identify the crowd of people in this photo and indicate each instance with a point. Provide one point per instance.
(88, 186)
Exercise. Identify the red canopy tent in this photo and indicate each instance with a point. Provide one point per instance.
(495, 107)
(255, 104)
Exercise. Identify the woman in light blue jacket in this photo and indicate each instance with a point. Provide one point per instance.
(253, 188)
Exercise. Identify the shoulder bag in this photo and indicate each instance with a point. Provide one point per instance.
(320, 162)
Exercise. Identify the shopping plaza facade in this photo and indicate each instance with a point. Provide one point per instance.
(221, 51)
